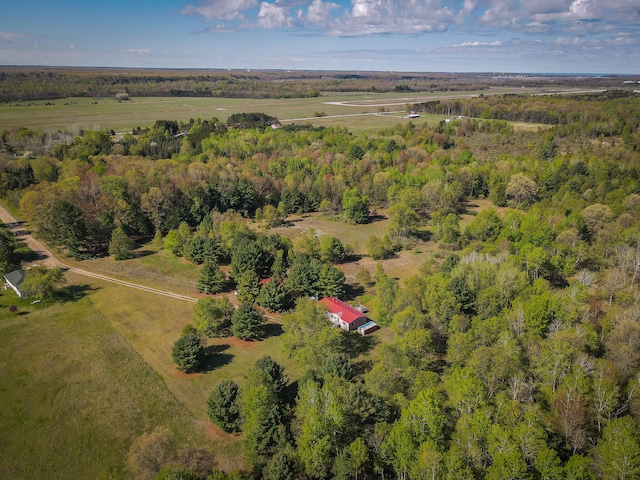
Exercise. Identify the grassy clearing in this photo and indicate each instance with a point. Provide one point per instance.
(152, 267)
(152, 323)
(75, 394)
(348, 233)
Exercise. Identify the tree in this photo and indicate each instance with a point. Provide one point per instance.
(355, 206)
(303, 276)
(274, 295)
(358, 455)
(521, 190)
(40, 282)
(261, 417)
(404, 220)
(120, 245)
(248, 284)
(386, 290)
(618, 451)
(485, 226)
(332, 250)
(188, 352)
(379, 248)
(223, 406)
(308, 335)
(212, 279)
(364, 277)
(212, 315)
(268, 372)
(176, 472)
(281, 466)
(150, 452)
(322, 415)
(246, 322)
(69, 228)
(154, 204)
(331, 282)
(9, 261)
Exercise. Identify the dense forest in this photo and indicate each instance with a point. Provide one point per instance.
(31, 83)
(515, 350)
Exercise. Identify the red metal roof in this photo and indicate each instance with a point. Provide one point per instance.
(338, 307)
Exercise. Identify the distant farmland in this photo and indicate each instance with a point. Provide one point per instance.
(356, 111)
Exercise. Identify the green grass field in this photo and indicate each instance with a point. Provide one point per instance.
(75, 394)
(356, 111)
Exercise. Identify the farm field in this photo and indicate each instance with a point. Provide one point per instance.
(71, 383)
(358, 112)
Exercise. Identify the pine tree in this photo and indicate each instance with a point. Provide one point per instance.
(188, 352)
(212, 278)
(246, 322)
(222, 406)
(121, 245)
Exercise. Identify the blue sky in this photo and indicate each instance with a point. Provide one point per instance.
(556, 36)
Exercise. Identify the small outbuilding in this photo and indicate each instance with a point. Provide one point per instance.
(343, 315)
(14, 280)
(368, 328)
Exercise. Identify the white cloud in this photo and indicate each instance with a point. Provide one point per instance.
(138, 51)
(373, 17)
(6, 37)
(272, 15)
(220, 9)
(318, 12)
(497, 43)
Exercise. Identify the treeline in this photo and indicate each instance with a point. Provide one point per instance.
(607, 113)
(45, 83)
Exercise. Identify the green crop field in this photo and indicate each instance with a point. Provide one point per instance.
(356, 111)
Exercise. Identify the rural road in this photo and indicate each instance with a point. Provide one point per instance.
(45, 257)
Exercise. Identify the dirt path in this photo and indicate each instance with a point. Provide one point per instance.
(21, 233)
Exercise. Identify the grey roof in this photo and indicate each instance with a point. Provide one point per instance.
(15, 279)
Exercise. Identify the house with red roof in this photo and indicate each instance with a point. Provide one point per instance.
(343, 315)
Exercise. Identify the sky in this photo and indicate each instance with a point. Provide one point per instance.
(511, 36)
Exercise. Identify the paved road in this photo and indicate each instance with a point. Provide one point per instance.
(46, 257)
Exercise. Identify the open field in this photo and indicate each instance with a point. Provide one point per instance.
(358, 112)
(75, 394)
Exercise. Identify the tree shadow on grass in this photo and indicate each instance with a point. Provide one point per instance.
(31, 256)
(352, 291)
(215, 358)
(271, 330)
(72, 293)
(356, 344)
(141, 253)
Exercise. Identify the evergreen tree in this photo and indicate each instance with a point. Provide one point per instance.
(223, 407)
(188, 352)
(274, 295)
(212, 279)
(331, 282)
(8, 259)
(120, 245)
(246, 322)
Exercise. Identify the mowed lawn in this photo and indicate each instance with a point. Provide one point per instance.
(75, 394)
